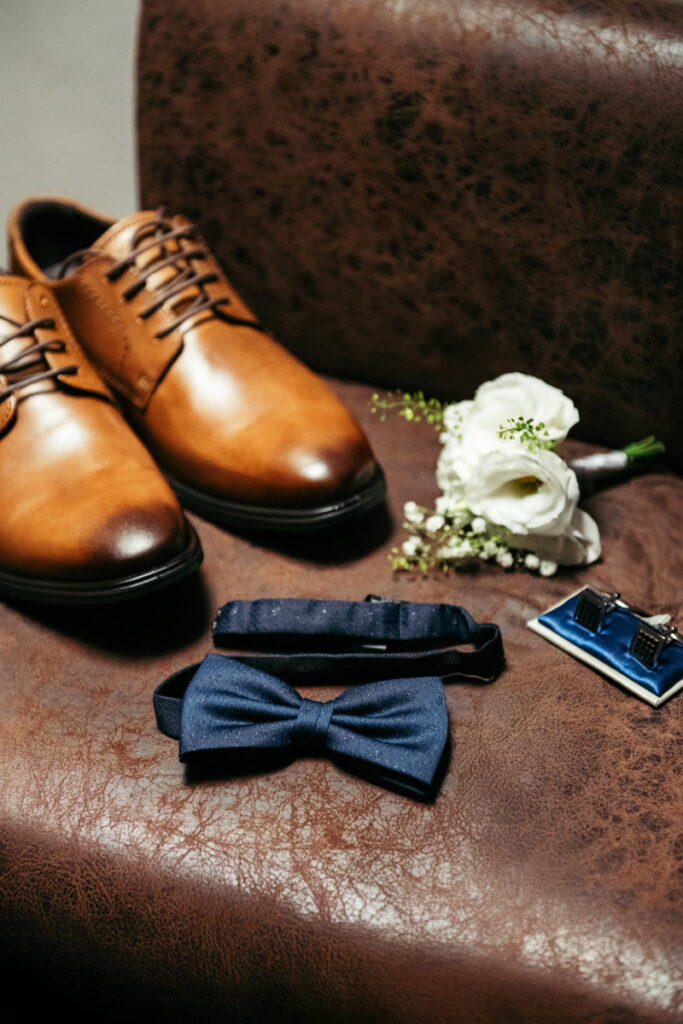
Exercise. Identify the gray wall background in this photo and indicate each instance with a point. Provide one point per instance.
(67, 117)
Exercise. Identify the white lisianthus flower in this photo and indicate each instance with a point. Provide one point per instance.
(533, 496)
(452, 468)
(578, 545)
(523, 491)
(519, 394)
(547, 568)
(478, 422)
(478, 525)
(532, 561)
(505, 559)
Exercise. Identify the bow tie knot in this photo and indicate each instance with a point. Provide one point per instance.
(313, 721)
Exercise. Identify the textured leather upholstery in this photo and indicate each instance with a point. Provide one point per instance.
(546, 874)
(497, 183)
(544, 883)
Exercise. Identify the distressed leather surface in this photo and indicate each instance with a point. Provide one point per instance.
(543, 884)
(411, 193)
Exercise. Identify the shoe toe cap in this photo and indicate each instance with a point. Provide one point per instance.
(86, 544)
(310, 475)
(134, 540)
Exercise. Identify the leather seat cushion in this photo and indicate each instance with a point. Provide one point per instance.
(545, 875)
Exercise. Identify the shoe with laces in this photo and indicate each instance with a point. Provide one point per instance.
(86, 515)
(245, 434)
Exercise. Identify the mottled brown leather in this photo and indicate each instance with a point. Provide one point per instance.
(543, 884)
(418, 193)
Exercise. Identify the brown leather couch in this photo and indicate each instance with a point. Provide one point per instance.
(422, 194)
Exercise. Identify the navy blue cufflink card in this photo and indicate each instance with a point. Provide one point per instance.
(642, 653)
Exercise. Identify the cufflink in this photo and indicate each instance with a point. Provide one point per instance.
(649, 642)
(591, 608)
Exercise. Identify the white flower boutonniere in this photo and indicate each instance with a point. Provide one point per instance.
(506, 494)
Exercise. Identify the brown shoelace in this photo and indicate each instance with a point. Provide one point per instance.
(31, 356)
(156, 234)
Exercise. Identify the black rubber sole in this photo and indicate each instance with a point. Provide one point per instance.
(93, 592)
(294, 520)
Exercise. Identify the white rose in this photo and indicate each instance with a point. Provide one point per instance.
(534, 496)
(475, 433)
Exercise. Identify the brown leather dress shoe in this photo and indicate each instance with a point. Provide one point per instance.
(245, 434)
(86, 515)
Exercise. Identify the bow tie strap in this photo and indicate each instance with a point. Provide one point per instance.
(168, 700)
(308, 640)
(392, 732)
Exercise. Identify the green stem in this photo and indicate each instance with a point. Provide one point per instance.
(411, 407)
(644, 449)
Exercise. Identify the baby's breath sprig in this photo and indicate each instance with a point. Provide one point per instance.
(455, 539)
(411, 406)
(534, 435)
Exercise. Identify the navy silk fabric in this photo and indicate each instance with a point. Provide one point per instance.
(368, 639)
(611, 645)
(392, 732)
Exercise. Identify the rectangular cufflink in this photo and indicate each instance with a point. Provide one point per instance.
(640, 652)
(590, 608)
(648, 643)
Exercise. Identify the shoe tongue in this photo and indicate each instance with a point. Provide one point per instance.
(117, 241)
(14, 313)
(121, 239)
(12, 303)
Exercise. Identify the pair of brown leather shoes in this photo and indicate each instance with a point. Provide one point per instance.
(136, 316)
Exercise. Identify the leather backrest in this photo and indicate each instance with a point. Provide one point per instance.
(428, 193)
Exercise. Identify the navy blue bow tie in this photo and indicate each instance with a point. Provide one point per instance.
(392, 732)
